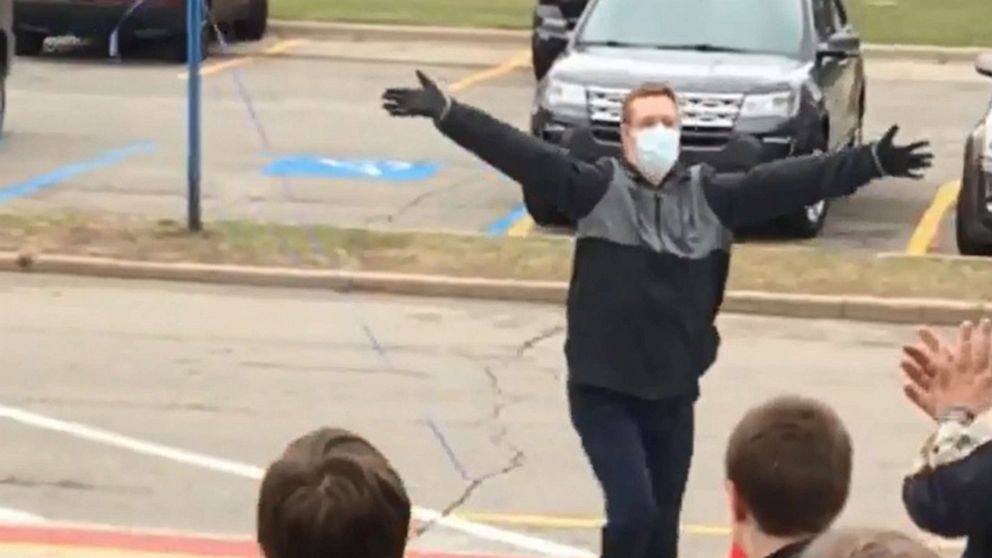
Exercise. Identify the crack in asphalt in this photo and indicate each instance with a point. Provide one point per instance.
(537, 339)
(499, 438)
(391, 217)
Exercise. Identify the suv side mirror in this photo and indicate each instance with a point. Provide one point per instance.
(839, 46)
(984, 64)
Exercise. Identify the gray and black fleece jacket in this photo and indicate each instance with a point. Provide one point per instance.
(650, 263)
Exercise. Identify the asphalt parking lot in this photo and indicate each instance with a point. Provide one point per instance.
(184, 392)
(87, 132)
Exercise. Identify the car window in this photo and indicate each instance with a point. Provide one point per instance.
(764, 26)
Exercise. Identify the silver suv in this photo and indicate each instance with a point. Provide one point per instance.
(974, 207)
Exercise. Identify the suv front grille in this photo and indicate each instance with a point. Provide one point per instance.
(707, 118)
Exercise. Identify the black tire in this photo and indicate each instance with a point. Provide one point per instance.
(29, 43)
(968, 227)
(540, 60)
(253, 27)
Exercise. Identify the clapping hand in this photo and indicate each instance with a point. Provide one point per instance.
(942, 378)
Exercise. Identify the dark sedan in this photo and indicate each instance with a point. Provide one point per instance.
(37, 20)
(974, 207)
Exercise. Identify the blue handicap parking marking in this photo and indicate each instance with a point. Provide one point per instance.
(328, 167)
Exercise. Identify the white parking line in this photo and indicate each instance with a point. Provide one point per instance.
(11, 516)
(244, 470)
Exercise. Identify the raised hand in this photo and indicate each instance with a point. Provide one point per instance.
(942, 378)
(427, 100)
(903, 161)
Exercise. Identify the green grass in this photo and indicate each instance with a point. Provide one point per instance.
(926, 22)
(771, 268)
(461, 13)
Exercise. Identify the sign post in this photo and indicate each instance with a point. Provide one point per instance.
(194, 46)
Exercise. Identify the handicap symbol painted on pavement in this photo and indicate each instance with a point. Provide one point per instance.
(327, 167)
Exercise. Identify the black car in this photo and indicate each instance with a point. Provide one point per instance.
(789, 72)
(37, 20)
(974, 206)
(7, 56)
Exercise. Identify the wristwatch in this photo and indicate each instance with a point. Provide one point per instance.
(960, 415)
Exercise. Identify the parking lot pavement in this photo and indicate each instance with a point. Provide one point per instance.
(154, 405)
(314, 107)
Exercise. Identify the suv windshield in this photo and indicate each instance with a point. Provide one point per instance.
(762, 26)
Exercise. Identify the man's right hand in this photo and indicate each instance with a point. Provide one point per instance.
(427, 100)
(942, 378)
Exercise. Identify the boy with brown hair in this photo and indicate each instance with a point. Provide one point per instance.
(332, 494)
(788, 467)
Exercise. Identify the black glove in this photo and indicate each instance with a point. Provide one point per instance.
(428, 100)
(904, 161)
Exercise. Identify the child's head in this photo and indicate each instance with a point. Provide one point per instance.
(788, 467)
(332, 494)
(867, 543)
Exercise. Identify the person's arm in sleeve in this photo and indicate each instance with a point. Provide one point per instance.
(950, 494)
(775, 189)
(545, 172)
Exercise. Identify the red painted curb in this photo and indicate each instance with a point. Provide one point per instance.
(113, 538)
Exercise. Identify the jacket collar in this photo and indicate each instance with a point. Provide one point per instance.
(678, 173)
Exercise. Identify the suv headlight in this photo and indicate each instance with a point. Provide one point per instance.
(561, 94)
(781, 104)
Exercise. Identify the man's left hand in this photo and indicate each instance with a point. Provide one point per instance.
(902, 161)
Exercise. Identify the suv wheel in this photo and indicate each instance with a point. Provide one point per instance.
(29, 43)
(253, 27)
(541, 60)
(967, 223)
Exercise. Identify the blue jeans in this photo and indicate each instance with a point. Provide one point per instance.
(640, 450)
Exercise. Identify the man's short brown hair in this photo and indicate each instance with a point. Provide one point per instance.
(867, 543)
(648, 90)
(332, 494)
(790, 461)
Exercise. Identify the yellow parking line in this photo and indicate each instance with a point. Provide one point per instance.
(518, 61)
(557, 522)
(926, 230)
(522, 226)
(277, 48)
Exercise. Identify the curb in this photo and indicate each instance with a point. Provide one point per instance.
(837, 307)
(521, 38)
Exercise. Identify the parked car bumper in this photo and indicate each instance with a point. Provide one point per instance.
(100, 17)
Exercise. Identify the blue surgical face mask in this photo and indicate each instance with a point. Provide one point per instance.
(657, 151)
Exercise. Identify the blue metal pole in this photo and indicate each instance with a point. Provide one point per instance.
(194, 34)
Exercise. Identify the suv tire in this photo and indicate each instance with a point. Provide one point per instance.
(29, 43)
(254, 26)
(967, 220)
(541, 61)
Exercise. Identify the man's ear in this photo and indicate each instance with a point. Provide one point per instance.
(738, 509)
